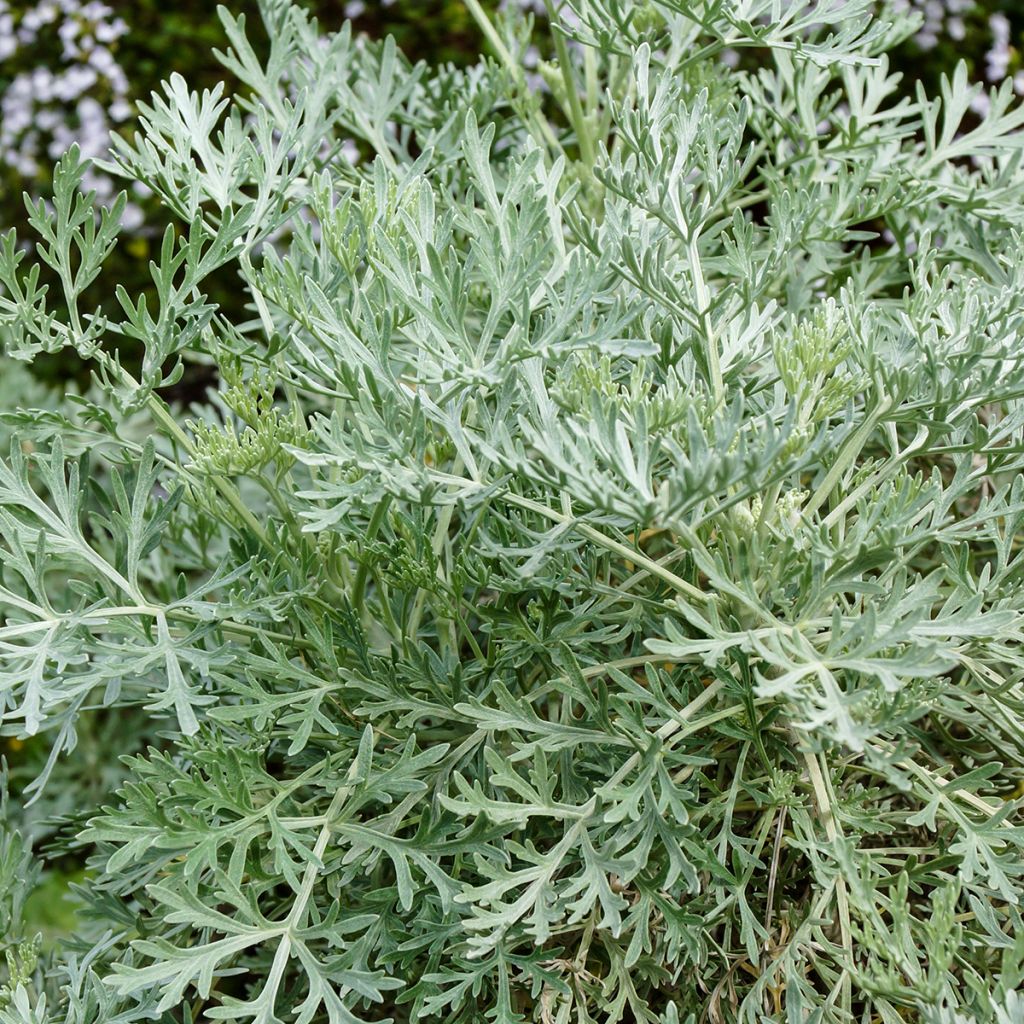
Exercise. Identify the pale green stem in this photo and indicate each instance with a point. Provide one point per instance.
(704, 309)
(847, 455)
(671, 728)
(542, 130)
(889, 469)
(825, 801)
(576, 113)
(601, 539)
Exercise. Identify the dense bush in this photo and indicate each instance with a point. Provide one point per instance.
(72, 70)
(591, 587)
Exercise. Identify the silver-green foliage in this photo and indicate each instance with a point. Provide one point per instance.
(592, 591)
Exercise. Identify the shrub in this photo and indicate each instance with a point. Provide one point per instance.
(71, 70)
(591, 588)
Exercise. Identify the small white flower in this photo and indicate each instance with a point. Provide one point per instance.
(102, 60)
(95, 11)
(132, 219)
(120, 110)
(109, 31)
(75, 81)
(349, 151)
(981, 104)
